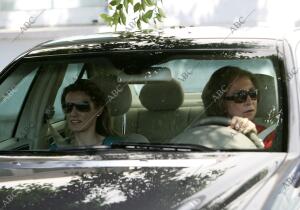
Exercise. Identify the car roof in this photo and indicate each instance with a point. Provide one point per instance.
(170, 38)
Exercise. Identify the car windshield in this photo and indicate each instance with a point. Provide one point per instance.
(151, 97)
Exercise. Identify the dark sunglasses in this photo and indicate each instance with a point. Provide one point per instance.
(83, 106)
(241, 96)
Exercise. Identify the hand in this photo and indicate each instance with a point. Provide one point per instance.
(243, 125)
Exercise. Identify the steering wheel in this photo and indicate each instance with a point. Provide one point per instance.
(225, 121)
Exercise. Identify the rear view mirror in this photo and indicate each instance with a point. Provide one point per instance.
(152, 74)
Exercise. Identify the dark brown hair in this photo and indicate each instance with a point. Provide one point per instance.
(219, 82)
(103, 123)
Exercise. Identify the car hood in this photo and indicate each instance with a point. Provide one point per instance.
(132, 180)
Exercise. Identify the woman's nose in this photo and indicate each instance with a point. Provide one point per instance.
(73, 111)
(249, 100)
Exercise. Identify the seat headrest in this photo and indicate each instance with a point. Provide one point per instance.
(162, 96)
(268, 100)
(118, 96)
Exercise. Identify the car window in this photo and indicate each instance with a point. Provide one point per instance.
(153, 98)
(13, 93)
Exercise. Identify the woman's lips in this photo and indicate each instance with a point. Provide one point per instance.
(249, 113)
(75, 121)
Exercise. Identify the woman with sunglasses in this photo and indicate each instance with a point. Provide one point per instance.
(87, 115)
(238, 99)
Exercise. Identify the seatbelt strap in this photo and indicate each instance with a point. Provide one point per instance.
(267, 131)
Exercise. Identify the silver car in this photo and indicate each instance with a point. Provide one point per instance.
(170, 152)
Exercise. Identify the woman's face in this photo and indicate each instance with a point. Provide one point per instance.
(245, 109)
(82, 113)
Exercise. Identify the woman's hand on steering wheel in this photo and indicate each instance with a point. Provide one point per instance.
(240, 124)
(243, 125)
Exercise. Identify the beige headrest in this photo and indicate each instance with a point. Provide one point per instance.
(162, 95)
(118, 96)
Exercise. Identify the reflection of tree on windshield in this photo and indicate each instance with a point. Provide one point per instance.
(139, 41)
(151, 188)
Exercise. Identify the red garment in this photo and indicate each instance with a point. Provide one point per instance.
(269, 139)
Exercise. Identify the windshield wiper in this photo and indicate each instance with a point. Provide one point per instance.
(119, 145)
(162, 147)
